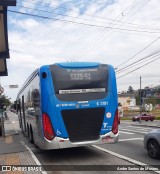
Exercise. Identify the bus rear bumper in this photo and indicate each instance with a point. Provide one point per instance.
(60, 143)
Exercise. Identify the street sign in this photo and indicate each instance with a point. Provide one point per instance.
(1, 90)
(13, 86)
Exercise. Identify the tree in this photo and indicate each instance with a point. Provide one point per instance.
(153, 101)
(130, 89)
(158, 90)
(4, 101)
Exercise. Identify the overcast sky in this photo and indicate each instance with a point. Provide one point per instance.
(116, 32)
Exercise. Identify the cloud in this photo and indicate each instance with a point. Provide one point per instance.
(34, 41)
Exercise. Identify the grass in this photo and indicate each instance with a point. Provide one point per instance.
(128, 114)
(130, 118)
(126, 118)
(156, 112)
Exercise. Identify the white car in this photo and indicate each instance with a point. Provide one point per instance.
(152, 143)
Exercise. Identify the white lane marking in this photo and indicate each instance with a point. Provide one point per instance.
(34, 157)
(130, 139)
(147, 129)
(126, 132)
(136, 128)
(139, 128)
(133, 131)
(122, 157)
(144, 129)
(13, 122)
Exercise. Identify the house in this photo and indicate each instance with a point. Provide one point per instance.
(127, 101)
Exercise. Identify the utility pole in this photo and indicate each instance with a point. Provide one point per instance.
(140, 102)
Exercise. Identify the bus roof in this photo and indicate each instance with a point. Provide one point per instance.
(78, 64)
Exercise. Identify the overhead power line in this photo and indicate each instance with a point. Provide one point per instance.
(86, 14)
(138, 53)
(139, 67)
(97, 37)
(150, 56)
(103, 35)
(80, 23)
(81, 18)
(138, 63)
(60, 14)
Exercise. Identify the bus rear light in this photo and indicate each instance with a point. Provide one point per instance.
(47, 127)
(61, 141)
(115, 123)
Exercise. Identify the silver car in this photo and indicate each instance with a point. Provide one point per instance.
(152, 143)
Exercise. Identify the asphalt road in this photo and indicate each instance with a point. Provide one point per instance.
(129, 146)
(131, 143)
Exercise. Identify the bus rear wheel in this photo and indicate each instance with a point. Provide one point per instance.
(153, 149)
(31, 140)
(27, 130)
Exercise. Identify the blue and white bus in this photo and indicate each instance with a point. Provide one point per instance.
(69, 104)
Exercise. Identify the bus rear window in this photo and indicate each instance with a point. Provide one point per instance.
(72, 81)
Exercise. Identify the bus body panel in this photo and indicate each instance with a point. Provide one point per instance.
(107, 103)
(31, 94)
(59, 142)
(59, 106)
(78, 65)
(57, 109)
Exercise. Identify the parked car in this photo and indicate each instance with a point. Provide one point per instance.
(144, 116)
(152, 143)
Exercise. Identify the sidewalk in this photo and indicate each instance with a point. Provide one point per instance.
(12, 150)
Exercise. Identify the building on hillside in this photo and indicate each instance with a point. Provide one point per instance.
(128, 101)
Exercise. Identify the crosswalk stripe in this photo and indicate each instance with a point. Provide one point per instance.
(137, 129)
(126, 132)
(133, 131)
(130, 139)
(140, 128)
